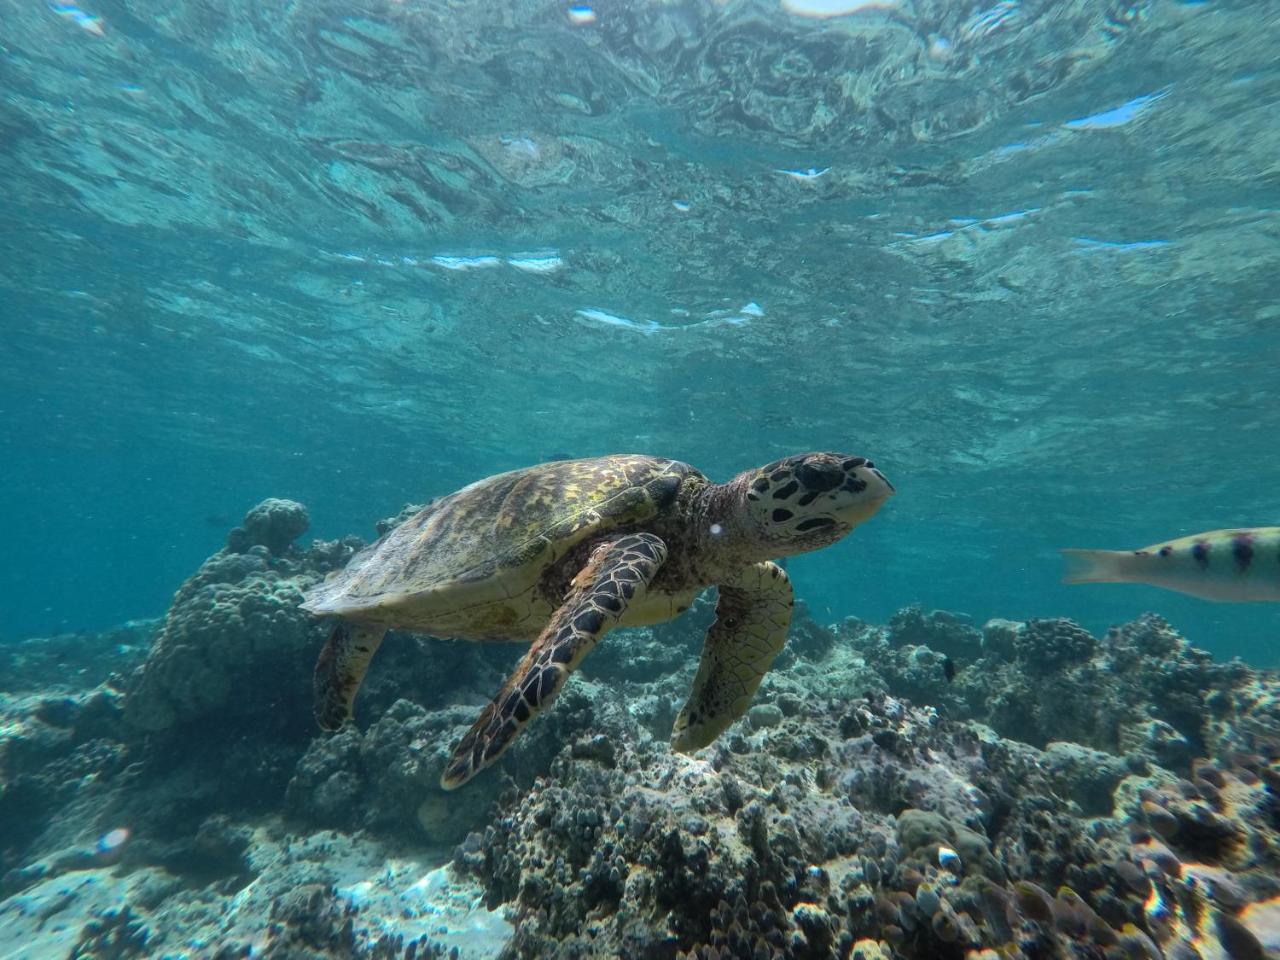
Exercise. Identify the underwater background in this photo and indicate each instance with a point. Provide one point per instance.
(361, 255)
(1022, 254)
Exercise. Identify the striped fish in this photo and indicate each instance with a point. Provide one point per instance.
(1234, 566)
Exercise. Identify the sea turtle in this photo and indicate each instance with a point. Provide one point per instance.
(561, 553)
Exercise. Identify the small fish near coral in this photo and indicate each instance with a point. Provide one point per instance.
(1232, 566)
(561, 553)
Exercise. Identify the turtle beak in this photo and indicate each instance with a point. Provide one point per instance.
(875, 490)
(877, 483)
(860, 512)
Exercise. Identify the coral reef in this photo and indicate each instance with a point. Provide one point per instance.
(73, 661)
(273, 524)
(922, 789)
(886, 829)
(321, 896)
(234, 634)
(1142, 691)
(386, 777)
(892, 833)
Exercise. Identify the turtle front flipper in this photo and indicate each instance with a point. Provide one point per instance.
(617, 573)
(340, 671)
(752, 617)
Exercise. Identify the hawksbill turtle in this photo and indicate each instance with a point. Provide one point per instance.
(563, 552)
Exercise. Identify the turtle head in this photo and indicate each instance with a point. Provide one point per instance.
(808, 501)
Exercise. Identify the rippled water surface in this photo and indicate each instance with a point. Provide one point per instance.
(1022, 254)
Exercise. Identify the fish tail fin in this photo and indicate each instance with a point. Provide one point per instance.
(1094, 566)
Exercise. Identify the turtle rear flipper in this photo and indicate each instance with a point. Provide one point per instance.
(618, 573)
(752, 617)
(340, 671)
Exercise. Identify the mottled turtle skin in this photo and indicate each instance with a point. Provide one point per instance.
(561, 553)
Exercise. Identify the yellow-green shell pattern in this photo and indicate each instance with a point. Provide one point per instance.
(472, 562)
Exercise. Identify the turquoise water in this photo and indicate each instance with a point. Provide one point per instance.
(359, 255)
